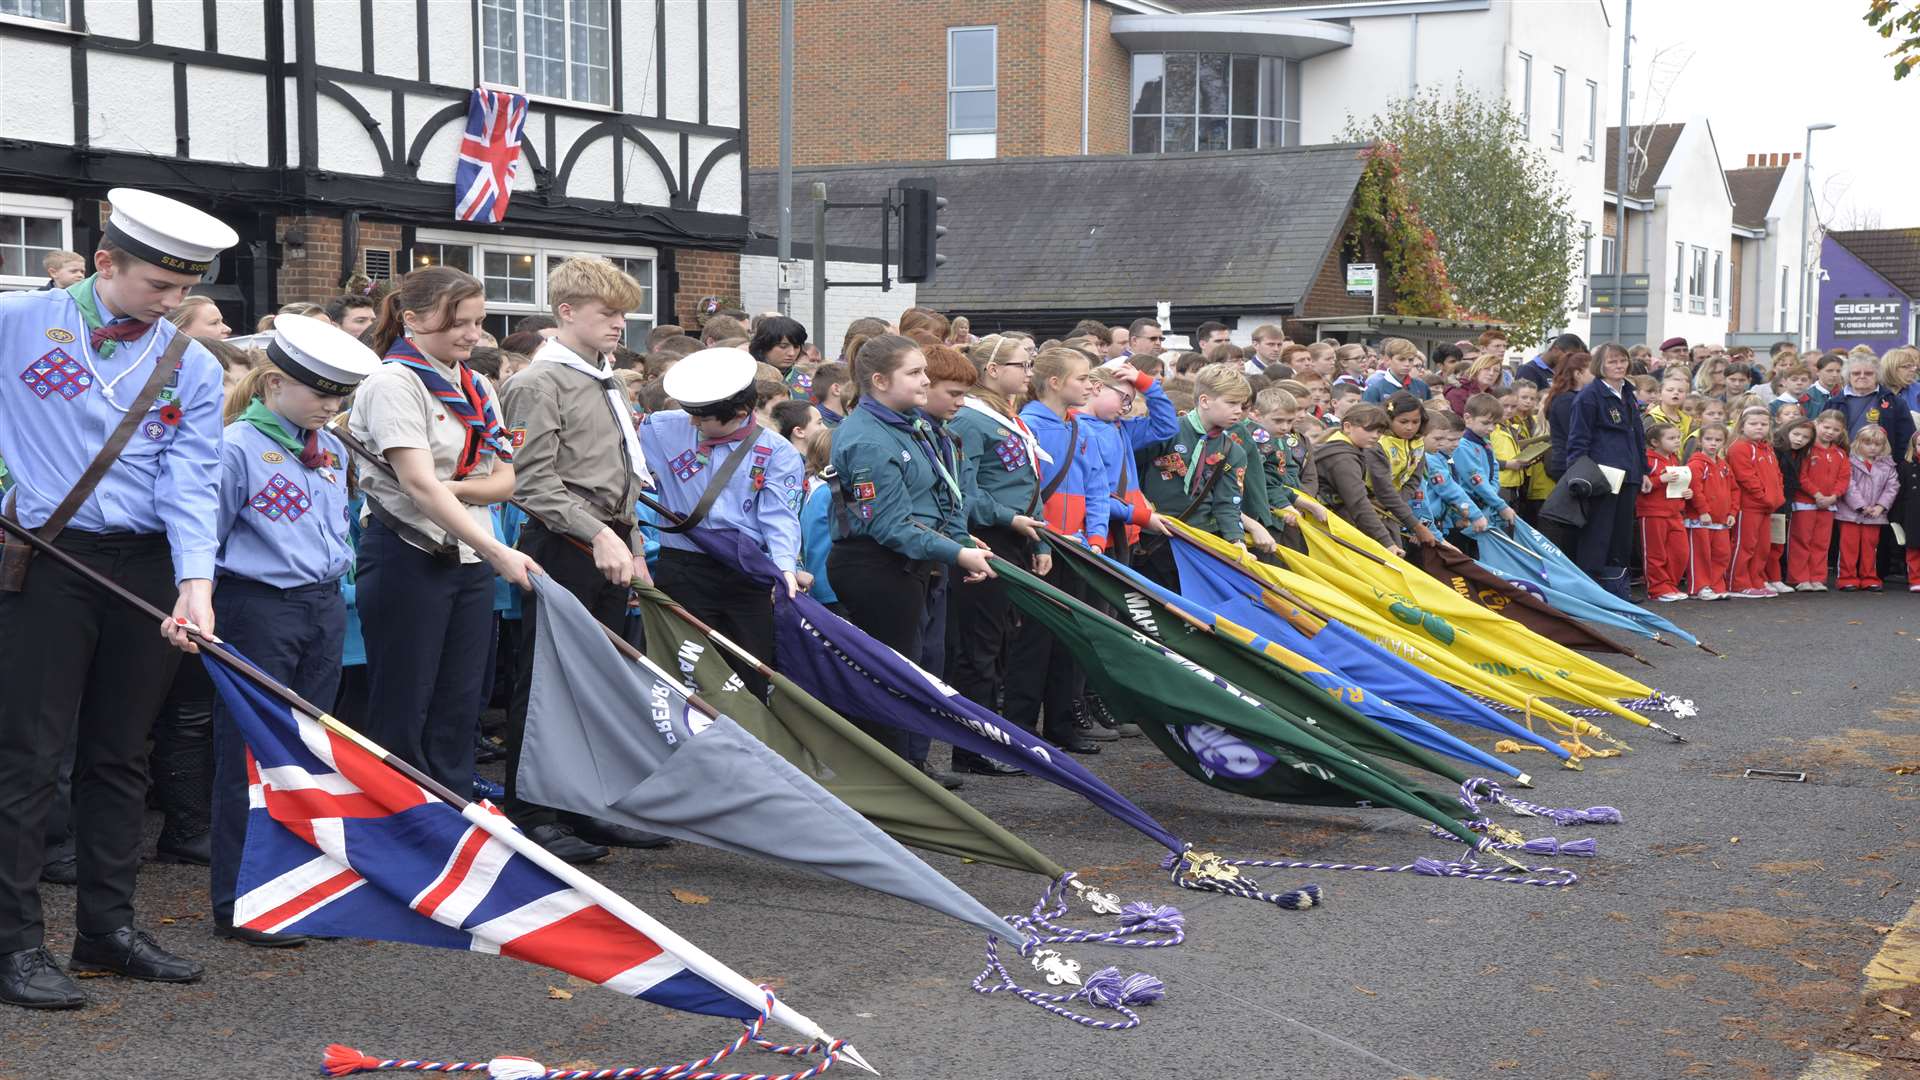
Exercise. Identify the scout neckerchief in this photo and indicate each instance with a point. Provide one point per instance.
(103, 334)
(555, 353)
(1403, 459)
(1201, 458)
(268, 423)
(923, 434)
(1035, 452)
(469, 403)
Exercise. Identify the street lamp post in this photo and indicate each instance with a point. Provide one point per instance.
(1806, 211)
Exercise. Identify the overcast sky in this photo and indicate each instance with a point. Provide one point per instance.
(1761, 70)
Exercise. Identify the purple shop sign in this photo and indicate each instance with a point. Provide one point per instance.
(1858, 306)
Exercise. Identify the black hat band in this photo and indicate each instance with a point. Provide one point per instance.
(142, 250)
(285, 361)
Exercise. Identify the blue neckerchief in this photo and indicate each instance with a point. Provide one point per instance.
(471, 404)
(1478, 440)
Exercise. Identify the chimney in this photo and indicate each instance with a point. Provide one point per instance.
(1796, 157)
(1750, 158)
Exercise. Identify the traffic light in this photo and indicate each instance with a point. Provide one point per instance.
(920, 229)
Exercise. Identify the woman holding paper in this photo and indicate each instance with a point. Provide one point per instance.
(1605, 427)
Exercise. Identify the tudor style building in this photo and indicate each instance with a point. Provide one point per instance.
(327, 131)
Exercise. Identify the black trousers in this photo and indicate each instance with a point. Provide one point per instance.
(86, 670)
(1043, 682)
(294, 635)
(726, 600)
(573, 570)
(1607, 540)
(426, 624)
(885, 594)
(982, 629)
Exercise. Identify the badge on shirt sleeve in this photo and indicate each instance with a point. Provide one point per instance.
(757, 472)
(154, 429)
(686, 466)
(273, 457)
(517, 436)
(59, 335)
(864, 494)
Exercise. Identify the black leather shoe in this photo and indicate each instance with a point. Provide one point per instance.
(486, 751)
(259, 939)
(565, 846)
(131, 952)
(31, 979)
(980, 766)
(944, 779)
(608, 834)
(61, 868)
(1074, 744)
(196, 850)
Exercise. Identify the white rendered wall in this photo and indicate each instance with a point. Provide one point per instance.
(1691, 207)
(759, 291)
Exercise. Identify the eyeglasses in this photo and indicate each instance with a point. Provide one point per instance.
(1014, 363)
(1155, 337)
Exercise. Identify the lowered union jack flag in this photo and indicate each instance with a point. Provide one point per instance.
(341, 844)
(489, 155)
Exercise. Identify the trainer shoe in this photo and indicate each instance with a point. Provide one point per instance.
(1757, 594)
(1706, 594)
(1817, 586)
(1807, 586)
(1668, 598)
(1780, 587)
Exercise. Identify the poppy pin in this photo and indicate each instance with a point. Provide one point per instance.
(170, 415)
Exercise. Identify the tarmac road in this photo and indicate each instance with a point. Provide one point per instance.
(1721, 932)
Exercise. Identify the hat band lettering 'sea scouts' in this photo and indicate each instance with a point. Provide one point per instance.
(288, 363)
(146, 252)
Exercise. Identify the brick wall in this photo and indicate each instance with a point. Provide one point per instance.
(880, 94)
(314, 273)
(1328, 296)
(700, 274)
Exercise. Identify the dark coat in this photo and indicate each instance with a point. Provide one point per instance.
(1607, 427)
(1581, 482)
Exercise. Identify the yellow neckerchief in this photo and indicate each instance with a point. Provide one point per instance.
(1404, 458)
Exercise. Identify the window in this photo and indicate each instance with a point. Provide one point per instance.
(1607, 255)
(1526, 96)
(1559, 108)
(515, 270)
(1593, 117)
(1586, 265)
(973, 96)
(1679, 274)
(559, 49)
(1189, 102)
(54, 11)
(1780, 322)
(31, 228)
(1697, 282)
(1717, 258)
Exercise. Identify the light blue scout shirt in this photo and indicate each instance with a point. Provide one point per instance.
(761, 500)
(58, 403)
(281, 523)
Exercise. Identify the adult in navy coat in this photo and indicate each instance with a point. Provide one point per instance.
(1605, 426)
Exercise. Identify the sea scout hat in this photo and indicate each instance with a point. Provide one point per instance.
(709, 376)
(166, 232)
(319, 354)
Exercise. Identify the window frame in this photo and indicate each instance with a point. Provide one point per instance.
(45, 208)
(1780, 319)
(1679, 274)
(519, 85)
(954, 87)
(543, 250)
(1696, 280)
(1560, 108)
(1277, 78)
(1719, 277)
(1593, 119)
(1609, 249)
(1526, 95)
(41, 22)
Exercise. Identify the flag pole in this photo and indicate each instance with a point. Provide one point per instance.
(495, 825)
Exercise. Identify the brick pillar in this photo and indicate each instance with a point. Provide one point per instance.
(701, 274)
(309, 271)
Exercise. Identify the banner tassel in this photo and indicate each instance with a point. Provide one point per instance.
(1104, 989)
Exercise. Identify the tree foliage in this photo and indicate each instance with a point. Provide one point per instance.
(1900, 27)
(1502, 222)
(1385, 213)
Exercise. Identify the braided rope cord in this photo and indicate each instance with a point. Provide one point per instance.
(1104, 988)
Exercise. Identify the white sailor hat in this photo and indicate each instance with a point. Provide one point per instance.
(319, 354)
(166, 232)
(709, 376)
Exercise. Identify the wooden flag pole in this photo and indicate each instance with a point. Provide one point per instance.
(496, 825)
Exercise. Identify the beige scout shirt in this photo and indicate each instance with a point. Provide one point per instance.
(393, 410)
(570, 467)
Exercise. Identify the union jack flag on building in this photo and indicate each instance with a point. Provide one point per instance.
(489, 155)
(341, 844)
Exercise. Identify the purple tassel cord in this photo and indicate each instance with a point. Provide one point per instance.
(1480, 789)
(1104, 989)
(1210, 873)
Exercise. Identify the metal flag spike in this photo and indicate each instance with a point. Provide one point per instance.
(1667, 731)
(850, 1054)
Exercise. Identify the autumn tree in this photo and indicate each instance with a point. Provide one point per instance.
(1900, 27)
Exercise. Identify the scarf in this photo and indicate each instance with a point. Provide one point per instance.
(740, 434)
(485, 436)
(269, 423)
(930, 438)
(1201, 459)
(103, 335)
(555, 353)
(1035, 454)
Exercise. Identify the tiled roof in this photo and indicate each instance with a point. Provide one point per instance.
(1245, 229)
(1658, 140)
(1894, 254)
(1753, 191)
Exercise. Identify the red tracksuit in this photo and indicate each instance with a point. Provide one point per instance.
(1756, 474)
(1823, 471)
(1663, 532)
(1709, 510)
